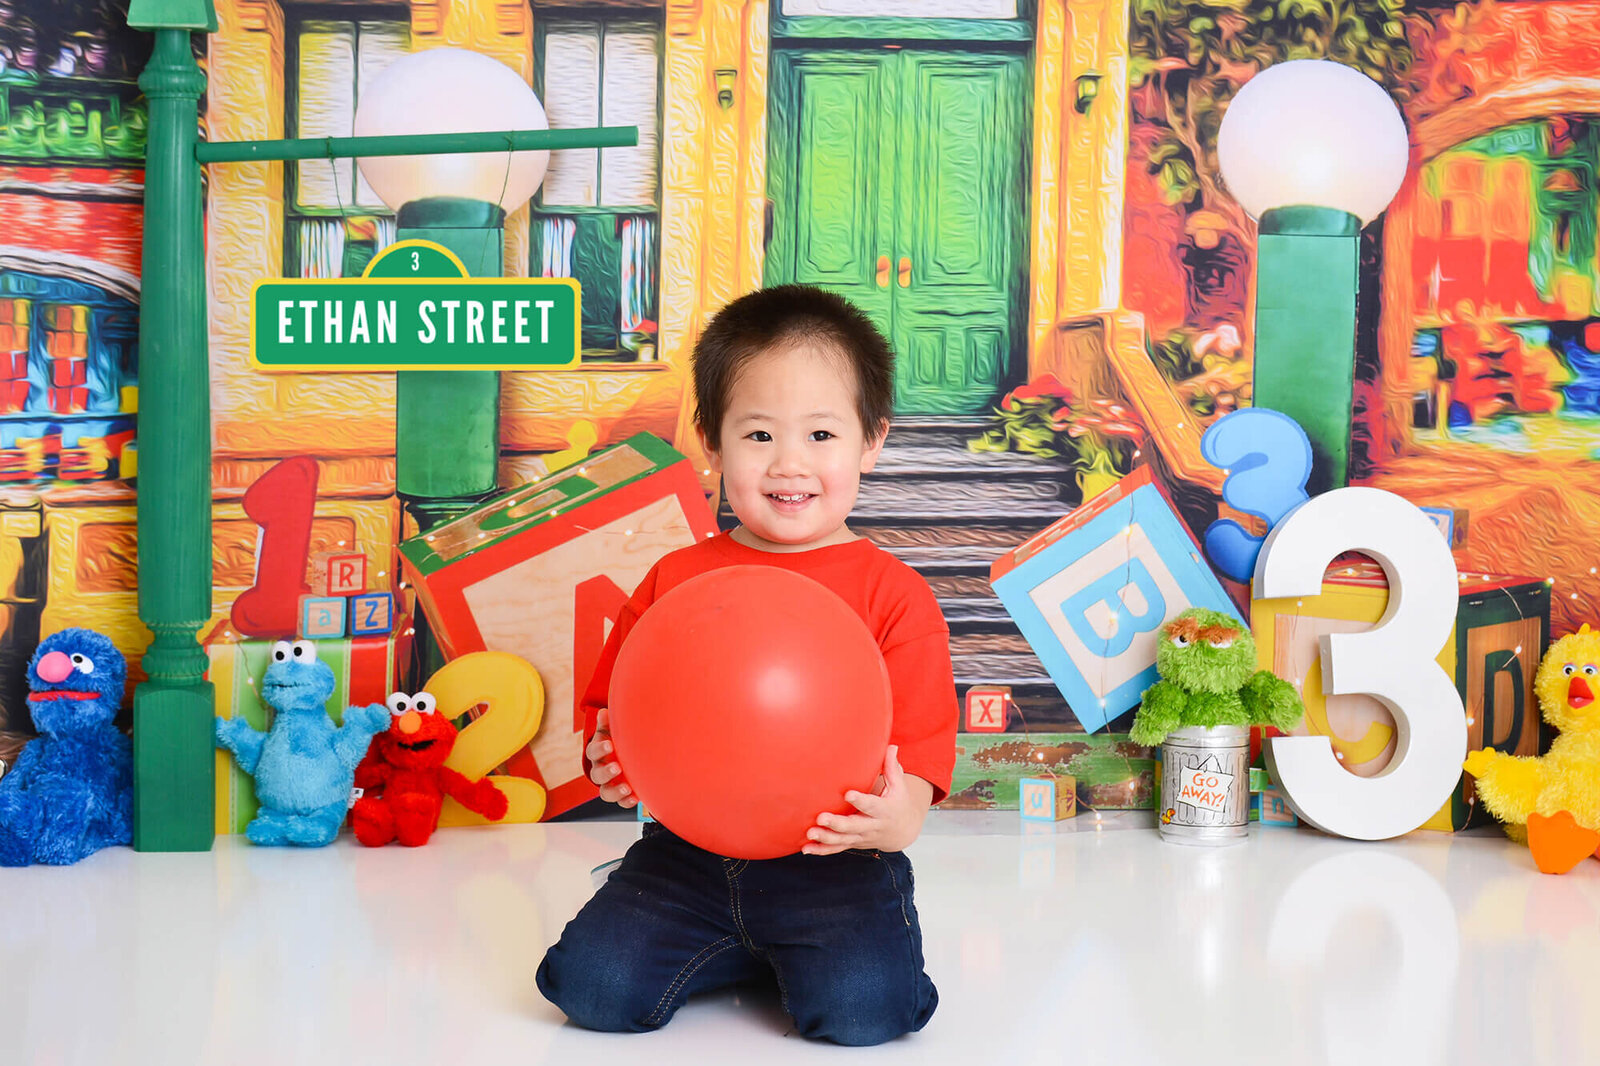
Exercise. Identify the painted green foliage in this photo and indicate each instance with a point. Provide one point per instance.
(899, 179)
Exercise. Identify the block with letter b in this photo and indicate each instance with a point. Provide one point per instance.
(1091, 593)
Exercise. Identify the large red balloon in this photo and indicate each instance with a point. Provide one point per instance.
(745, 702)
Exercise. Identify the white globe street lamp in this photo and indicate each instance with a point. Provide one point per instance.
(1313, 150)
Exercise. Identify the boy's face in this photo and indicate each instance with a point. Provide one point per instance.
(792, 450)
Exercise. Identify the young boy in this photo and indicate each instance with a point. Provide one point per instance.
(794, 389)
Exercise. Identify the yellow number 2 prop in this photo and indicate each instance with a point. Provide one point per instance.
(510, 690)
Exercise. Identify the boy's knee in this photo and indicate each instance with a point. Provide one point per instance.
(863, 1013)
(600, 997)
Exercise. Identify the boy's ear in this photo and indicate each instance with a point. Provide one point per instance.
(874, 447)
(713, 456)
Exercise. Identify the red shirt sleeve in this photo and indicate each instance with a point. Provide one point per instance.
(597, 695)
(924, 692)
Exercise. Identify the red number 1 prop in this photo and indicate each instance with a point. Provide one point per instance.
(281, 502)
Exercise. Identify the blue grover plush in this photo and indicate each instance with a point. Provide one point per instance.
(303, 765)
(71, 792)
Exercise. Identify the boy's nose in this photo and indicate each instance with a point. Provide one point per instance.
(788, 462)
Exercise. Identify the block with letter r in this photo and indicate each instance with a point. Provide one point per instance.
(1091, 593)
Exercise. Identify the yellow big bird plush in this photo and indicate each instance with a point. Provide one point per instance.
(1557, 796)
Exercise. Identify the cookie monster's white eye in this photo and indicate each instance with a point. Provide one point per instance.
(83, 664)
(1569, 669)
(424, 703)
(1179, 640)
(304, 651)
(398, 703)
(280, 651)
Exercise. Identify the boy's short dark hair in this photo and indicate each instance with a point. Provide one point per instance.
(784, 314)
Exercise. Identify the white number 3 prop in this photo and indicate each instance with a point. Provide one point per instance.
(1393, 662)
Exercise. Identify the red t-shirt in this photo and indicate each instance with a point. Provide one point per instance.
(891, 598)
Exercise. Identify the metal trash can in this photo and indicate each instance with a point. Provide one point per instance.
(1205, 785)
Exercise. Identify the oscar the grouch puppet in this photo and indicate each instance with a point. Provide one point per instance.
(1207, 662)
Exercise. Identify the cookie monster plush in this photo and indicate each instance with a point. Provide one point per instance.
(303, 764)
(71, 792)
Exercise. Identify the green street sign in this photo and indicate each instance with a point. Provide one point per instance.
(414, 308)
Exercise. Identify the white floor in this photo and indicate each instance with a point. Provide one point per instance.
(1092, 944)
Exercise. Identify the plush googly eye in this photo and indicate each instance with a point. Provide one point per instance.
(424, 703)
(1179, 640)
(281, 650)
(398, 703)
(1226, 642)
(1568, 669)
(83, 664)
(1590, 671)
(304, 651)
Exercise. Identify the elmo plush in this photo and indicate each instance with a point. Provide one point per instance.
(404, 778)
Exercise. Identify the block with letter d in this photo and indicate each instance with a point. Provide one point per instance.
(1091, 592)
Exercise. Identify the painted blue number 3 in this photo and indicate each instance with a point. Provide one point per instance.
(1268, 459)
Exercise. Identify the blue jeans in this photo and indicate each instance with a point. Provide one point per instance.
(839, 932)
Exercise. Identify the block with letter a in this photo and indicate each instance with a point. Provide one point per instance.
(543, 572)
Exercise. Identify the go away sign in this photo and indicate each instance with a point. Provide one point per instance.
(414, 308)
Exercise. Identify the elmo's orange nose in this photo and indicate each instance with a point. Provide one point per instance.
(1579, 694)
(410, 722)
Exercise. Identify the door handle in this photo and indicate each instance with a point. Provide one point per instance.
(883, 272)
(905, 272)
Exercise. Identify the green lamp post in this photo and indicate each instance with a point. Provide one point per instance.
(172, 711)
(448, 435)
(1313, 150)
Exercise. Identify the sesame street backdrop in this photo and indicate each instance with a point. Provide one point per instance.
(1024, 194)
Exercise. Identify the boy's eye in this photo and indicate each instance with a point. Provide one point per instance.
(821, 434)
(760, 436)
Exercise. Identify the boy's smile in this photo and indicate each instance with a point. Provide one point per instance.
(792, 450)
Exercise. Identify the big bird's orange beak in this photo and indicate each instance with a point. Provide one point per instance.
(1579, 694)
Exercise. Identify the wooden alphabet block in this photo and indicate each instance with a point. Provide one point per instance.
(1274, 809)
(1091, 592)
(544, 571)
(321, 617)
(988, 708)
(371, 613)
(1048, 799)
(1502, 629)
(338, 573)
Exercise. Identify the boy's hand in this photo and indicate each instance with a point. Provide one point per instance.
(889, 821)
(608, 773)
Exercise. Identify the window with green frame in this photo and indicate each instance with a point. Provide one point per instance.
(334, 223)
(597, 217)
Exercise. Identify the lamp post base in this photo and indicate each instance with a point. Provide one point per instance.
(174, 763)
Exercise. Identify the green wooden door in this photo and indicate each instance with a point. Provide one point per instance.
(831, 176)
(898, 179)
